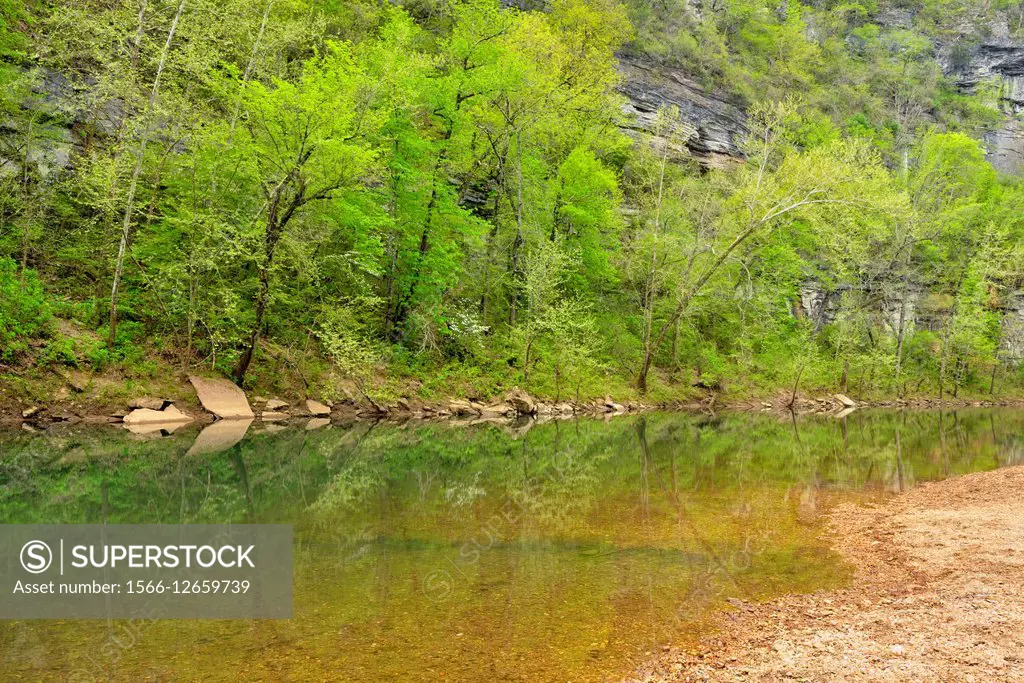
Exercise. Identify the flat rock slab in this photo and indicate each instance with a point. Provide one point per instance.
(148, 402)
(317, 409)
(846, 401)
(145, 416)
(222, 398)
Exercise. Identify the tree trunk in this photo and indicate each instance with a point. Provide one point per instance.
(649, 286)
(139, 158)
(517, 244)
(403, 305)
(274, 228)
(390, 278)
(26, 235)
(277, 219)
(242, 367)
(942, 370)
(405, 302)
(796, 386)
(695, 289)
(248, 68)
(140, 31)
(947, 335)
(645, 367)
(901, 330)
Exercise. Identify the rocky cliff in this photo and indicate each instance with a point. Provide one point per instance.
(711, 125)
(1000, 58)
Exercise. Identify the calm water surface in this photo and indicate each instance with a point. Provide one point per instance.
(569, 551)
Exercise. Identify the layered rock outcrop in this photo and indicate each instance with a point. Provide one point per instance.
(711, 125)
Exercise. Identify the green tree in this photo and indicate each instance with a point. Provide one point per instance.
(305, 142)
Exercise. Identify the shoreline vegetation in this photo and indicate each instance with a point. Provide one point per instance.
(369, 203)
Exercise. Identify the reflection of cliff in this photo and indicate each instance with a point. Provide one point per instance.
(1012, 452)
(898, 475)
(569, 471)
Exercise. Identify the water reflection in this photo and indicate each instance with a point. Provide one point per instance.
(219, 436)
(423, 552)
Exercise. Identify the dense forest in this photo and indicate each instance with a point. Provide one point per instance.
(453, 197)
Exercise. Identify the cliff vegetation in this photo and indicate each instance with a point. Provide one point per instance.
(454, 197)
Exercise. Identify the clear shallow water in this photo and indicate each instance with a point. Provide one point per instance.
(568, 552)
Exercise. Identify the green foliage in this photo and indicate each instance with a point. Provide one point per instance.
(24, 311)
(442, 194)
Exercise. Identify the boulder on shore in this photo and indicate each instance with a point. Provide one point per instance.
(497, 410)
(222, 398)
(461, 407)
(276, 404)
(144, 416)
(846, 401)
(611, 406)
(148, 403)
(316, 408)
(521, 401)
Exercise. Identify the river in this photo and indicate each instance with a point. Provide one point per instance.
(567, 551)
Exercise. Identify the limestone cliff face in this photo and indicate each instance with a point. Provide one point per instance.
(919, 307)
(711, 124)
(65, 122)
(1011, 346)
(714, 123)
(1001, 58)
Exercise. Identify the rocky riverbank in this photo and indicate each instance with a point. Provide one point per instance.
(205, 399)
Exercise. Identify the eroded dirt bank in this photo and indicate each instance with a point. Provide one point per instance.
(938, 595)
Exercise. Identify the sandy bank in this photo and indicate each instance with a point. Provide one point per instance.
(938, 595)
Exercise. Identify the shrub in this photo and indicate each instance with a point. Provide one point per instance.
(24, 313)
